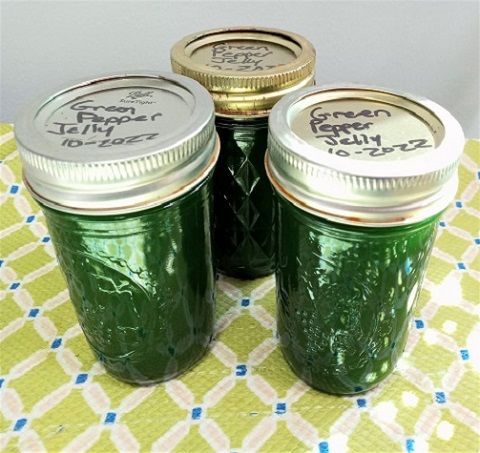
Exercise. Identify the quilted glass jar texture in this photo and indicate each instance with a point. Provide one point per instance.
(362, 176)
(345, 296)
(122, 168)
(142, 284)
(246, 70)
(439, 375)
(243, 207)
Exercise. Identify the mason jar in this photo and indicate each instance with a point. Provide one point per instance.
(122, 166)
(247, 70)
(361, 175)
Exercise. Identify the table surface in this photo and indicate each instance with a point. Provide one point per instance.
(242, 396)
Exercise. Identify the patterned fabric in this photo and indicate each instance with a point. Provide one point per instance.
(242, 396)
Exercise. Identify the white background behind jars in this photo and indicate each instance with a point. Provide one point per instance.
(429, 48)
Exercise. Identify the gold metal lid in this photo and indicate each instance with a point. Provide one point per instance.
(364, 155)
(246, 69)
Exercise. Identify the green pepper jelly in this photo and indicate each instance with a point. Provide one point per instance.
(244, 211)
(246, 71)
(362, 176)
(142, 284)
(122, 167)
(344, 335)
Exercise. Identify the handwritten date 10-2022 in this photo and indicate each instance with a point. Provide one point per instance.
(411, 145)
(104, 143)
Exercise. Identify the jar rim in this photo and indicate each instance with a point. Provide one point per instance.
(117, 143)
(359, 189)
(243, 87)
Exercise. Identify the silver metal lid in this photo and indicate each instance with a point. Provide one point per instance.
(118, 143)
(363, 155)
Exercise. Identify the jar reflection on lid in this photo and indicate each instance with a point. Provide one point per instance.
(246, 69)
(364, 155)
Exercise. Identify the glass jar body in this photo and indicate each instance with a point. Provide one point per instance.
(142, 284)
(243, 200)
(345, 296)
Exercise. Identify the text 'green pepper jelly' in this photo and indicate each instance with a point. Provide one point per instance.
(121, 166)
(362, 176)
(247, 70)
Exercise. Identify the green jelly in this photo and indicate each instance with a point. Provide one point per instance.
(246, 70)
(142, 284)
(361, 176)
(345, 296)
(122, 167)
(243, 200)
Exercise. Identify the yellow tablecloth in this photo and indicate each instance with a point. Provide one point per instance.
(242, 396)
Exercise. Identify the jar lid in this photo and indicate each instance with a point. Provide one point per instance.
(363, 155)
(246, 69)
(118, 143)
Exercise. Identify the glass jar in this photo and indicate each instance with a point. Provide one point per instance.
(122, 168)
(362, 176)
(243, 205)
(246, 71)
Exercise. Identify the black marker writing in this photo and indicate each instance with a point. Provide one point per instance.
(111, 108)
(355, 139)
(97, 124)
(318, 117)
(336, 130)
(104, 143)
(345, 138)
(410, 145)
(83, 117)
(243, 57)
(224, 46)
(74, 128)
